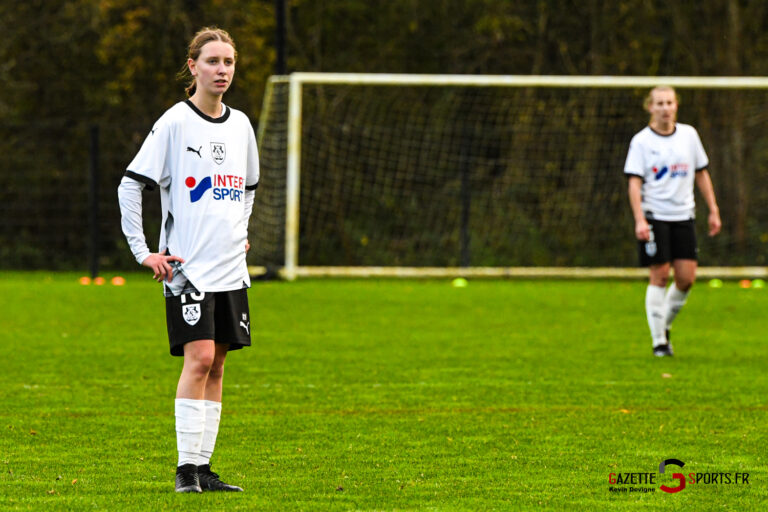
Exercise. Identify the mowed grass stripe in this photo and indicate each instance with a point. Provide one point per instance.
(385, 395)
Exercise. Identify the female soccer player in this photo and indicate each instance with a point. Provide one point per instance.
(202, 155)
(664, 161)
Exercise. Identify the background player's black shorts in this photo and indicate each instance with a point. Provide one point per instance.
(219, 316)
(669, 241)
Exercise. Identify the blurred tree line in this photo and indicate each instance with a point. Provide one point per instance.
(67, 65)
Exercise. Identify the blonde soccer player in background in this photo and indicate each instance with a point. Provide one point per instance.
(665, 159)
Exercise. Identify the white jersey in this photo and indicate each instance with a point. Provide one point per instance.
(204, 167)
(667, 164)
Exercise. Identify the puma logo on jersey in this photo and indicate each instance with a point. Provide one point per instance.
(193, 150)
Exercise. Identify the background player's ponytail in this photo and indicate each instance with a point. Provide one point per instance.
(204, 35)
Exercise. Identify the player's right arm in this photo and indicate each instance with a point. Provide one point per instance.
(633, 170)
(129, 196)
(161, 266)
(642, 230)
(147, 169)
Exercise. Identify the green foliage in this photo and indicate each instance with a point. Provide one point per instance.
(113, 63)
(386, 395)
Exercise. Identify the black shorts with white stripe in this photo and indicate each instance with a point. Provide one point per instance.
(219, 316)
(669, 241)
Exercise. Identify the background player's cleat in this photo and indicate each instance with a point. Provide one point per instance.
(186, 479)
(663, 350)
(209, 481)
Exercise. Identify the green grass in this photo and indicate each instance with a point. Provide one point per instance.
(386, 395)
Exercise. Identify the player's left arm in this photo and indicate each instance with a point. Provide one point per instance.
(248, 206)
(704, 182)
(252, 175)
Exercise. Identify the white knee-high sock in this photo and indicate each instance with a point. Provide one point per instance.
(673, 303)
(212, 418)
(654, 310)
(190, 424)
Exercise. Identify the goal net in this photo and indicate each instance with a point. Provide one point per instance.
(375, 174)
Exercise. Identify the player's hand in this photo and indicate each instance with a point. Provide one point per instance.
(160, 265)
(642, 230)
(714, 223)
(247, 246)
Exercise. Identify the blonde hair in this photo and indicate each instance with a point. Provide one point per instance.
(649, 99)
(203, 36)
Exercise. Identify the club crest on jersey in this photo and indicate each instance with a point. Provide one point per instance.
(191, 313)
(219, 152)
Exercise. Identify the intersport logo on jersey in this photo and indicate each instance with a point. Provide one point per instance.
(226, 187)
(674, 171)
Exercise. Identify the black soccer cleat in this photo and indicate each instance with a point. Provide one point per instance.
(664, 350)
(209, 481)
(187, 479)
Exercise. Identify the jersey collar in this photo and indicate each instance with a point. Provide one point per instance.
(664, 134)
(208, 118)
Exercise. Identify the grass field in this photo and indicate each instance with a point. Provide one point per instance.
(387, 395)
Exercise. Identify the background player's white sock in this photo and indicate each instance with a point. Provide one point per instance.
(654, 310)
(212, 418)
(673, 303)
(190, 423)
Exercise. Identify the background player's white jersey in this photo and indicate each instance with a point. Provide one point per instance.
(667, 164)
(203, 167)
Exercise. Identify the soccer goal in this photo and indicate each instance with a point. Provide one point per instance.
(447, 175)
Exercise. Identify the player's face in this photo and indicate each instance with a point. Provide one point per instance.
(214, 69)
(663, 107)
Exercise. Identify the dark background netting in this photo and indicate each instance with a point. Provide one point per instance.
(444, 176)
(421, 176)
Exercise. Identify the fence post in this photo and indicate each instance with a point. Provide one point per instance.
(466, 199)
(280, 37)
(93, 200)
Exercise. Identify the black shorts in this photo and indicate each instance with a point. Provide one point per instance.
(219, 316)
(669, 241)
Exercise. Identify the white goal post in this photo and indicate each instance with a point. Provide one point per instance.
(290, 122)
